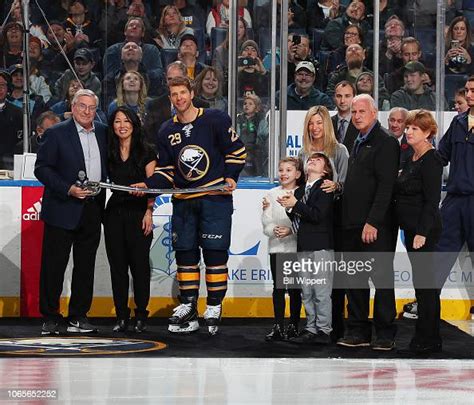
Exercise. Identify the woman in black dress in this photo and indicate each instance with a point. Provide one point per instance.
(128, 218)
(417, 196)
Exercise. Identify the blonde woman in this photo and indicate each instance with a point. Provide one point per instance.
(171, 28)
(131, 93)
(318, 136)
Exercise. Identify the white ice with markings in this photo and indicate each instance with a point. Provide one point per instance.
(243, 381)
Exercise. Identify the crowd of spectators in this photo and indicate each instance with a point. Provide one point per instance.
(111, 46)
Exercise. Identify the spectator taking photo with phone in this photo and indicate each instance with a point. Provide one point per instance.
(299, 50)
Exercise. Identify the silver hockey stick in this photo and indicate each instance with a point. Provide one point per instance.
(96, 186)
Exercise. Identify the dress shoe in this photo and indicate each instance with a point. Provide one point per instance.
(420, 351)
(425, 348)
(291, 331)
(322, 338)
(275, 334)
(305, 337)
(140, 326)
(121, 325)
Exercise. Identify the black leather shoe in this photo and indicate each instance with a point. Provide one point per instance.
(322, 338)
(291, 331)
(421, 351)
(275, 334)
(121, 325)
(140, 326)
(305, 337)
(425, 348)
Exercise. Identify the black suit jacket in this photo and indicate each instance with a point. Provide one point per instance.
(159, 111)
(58, 162)
(371, 175)
(316, 219)
(351, 133)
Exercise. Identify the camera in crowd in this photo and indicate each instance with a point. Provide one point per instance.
(246, 62)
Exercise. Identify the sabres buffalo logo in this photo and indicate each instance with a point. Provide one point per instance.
(193, 162)
(73, 346)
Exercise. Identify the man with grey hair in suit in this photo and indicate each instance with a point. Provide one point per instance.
(72, 149)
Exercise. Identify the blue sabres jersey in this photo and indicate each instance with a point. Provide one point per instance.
(200, 153)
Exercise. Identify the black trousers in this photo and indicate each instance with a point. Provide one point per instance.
(338, 295)
(358, 323)
(57, 243)
(429, 307)
(279, 298)
(128, 248)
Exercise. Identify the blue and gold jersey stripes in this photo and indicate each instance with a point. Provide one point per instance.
(200, 153)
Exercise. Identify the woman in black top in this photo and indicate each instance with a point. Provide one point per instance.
(128, 219)
(417, 196)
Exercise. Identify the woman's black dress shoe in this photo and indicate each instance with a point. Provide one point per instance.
(140, 326)
(121, 325)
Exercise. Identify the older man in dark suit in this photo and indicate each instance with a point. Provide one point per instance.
(71, 215)
(366, 221)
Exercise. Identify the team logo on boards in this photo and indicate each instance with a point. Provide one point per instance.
(74, 346)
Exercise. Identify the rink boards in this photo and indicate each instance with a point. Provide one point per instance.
(250, 282)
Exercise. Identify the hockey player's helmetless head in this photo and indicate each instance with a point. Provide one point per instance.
(181, 94)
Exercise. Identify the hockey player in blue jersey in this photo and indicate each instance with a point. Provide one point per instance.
(198, 148)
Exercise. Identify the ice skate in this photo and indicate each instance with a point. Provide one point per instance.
(184, 318)
(212, 316)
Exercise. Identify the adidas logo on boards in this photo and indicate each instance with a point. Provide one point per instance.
(33, 213)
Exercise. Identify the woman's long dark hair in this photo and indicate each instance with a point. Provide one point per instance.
(139, 148)
(449, 33)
